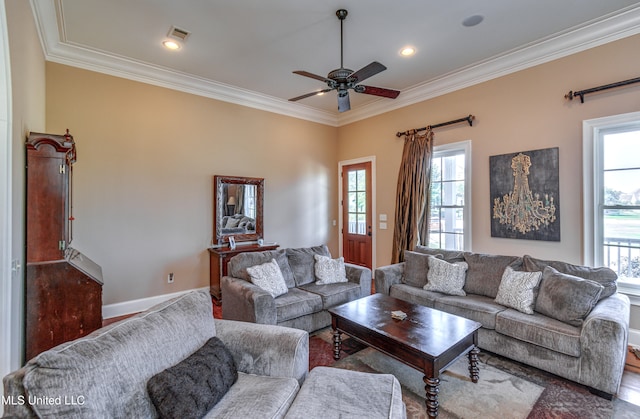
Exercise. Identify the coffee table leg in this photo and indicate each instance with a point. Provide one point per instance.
(337, 342)
(431, 389)
(474, 371)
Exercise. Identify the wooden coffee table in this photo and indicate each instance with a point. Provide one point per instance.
(428, 340)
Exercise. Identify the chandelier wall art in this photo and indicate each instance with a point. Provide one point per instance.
(525, 195)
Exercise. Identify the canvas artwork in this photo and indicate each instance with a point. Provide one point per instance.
(525, 195)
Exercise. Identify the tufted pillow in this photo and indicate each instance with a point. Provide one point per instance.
(416, 267)
(268, 277)
(329, 271)
(519, 289)
(445, 277)
(566, 297)
(602, 275)
(192, 387)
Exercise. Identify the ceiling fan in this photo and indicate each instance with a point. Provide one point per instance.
(343, 79)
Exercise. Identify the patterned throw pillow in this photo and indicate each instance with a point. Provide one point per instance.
(445, 277)
(519, 290)
(268, 277)
(329, 271)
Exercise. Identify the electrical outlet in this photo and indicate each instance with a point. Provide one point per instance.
(170, 278)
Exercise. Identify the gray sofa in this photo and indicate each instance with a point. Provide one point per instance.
(591, 351)
(305, 304)
(105, 374)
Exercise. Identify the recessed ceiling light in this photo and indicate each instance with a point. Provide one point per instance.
(407, 51)
(170, 44)
(472, 20)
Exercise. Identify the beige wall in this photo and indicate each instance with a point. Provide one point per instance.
(27, 114)
(143, 180)
(522, 111)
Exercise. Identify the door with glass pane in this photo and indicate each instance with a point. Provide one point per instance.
(356, 214)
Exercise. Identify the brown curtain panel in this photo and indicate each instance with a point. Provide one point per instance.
(413, 197)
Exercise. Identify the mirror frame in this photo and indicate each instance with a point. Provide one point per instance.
(219, 202)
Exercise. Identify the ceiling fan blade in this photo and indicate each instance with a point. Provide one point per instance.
(367, 71)
(343, 101)
(379, 91)
(309, 95)
(313, 76)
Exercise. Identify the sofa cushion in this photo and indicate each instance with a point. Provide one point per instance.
(473, 307)
(111, 366)
(485, 272)
(565, 297)
(192, 387)
(602, 275)
(519, 289)
(302, 262)
(416, 267)
(256, 396)
(296, 303)
(341, 393)
(414, 295)
(238, 264)
(329, 271)
(268, 277)
(445, 277)
(448, 255)
(334, 294)
(540, 330)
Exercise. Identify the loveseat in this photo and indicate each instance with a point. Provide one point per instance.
(109, 373)
(305, 300)
(562, 318)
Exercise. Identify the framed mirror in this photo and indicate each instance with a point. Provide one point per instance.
(237, 208)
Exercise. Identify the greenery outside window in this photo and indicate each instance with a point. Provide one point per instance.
(450, 216)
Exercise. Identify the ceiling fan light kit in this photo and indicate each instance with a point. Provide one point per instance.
(342, 79)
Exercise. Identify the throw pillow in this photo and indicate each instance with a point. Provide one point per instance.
(192, 387)
(302, 262)
(238, 264)
(519, 290)
(602, 275)
(268, 277)
(566, 297)
(445, 277)
(416, 267)
(329, 271)
(485, 272)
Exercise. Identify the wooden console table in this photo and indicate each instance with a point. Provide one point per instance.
(218, 259)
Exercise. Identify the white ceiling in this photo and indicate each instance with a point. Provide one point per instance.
(244, 51)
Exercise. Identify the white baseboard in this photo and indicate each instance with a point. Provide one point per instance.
(142, 304)
(634, 337)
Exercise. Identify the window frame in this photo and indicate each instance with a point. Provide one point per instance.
(464, 148)
(593, 187)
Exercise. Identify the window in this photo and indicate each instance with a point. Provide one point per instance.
(450, 218)
(612, 147)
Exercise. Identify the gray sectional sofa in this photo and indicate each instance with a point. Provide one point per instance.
(304, 305)
(106, 374)
(587, 346)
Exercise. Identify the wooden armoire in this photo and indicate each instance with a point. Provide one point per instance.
(63, 287)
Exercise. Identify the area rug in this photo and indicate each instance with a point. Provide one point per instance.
(506, 389)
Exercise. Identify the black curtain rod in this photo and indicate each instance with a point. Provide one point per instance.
(581, 93)
(468, 119)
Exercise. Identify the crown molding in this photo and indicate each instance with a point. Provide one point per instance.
(50, 23)
(599, 32)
